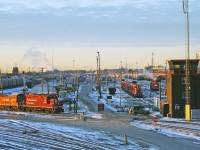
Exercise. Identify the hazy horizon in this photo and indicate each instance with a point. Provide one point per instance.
(127, 31)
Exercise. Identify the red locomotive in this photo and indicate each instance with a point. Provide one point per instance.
(14, 102)
(154, 85)
(32, 102)
(132, 88)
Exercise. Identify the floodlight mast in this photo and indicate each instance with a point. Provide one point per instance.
(187, 66)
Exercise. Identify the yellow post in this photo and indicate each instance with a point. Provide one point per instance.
(130, 111)
(81, 116)
(187, 112)
(125, 139)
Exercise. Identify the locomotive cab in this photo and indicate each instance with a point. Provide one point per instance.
(57, 106)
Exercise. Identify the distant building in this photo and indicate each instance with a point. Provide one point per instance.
(15, 71)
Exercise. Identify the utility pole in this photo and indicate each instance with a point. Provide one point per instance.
(1, 82)
(187, 68)
(99, 77)
(74, 75)
(152, 61)
(132, 72)
(107, 89)
(42, 70)
(24, 81)
(120, 84)
(61, 81)
(137, 71)
(52, 74)
(128, 70)
(77, 89)
(99, 73)
(160, 89)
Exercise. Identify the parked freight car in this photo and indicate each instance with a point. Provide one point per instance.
(132, 88)
(12, 82)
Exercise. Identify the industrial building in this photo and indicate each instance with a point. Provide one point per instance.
(175, 84)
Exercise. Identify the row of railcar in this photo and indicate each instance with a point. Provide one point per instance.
(32, 102)
(11, 82)
(132, 88)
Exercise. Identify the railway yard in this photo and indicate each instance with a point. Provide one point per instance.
(40, 131)
(23, 135)
(100, 75)
(101, 130)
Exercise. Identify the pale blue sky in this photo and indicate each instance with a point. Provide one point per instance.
(122, 30)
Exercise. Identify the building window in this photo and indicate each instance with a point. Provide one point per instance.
(183, 80)
(183, 95)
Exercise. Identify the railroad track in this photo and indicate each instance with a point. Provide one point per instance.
(179, 127)
(23, 135)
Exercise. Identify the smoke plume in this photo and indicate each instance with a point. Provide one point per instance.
(37, 58)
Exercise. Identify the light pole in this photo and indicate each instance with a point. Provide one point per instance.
(120, 84)
(107, 89)
(73, 65)
(52, 74)
(74, 76)
(137, 71)
(99, 73)
(132, 72)
(1, 83)
(160, 91)
(187, 68)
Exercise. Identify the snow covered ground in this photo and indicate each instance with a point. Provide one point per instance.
(13, 90)
(126, 99)
(21, 134)
(177, 128)
(171, 127)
